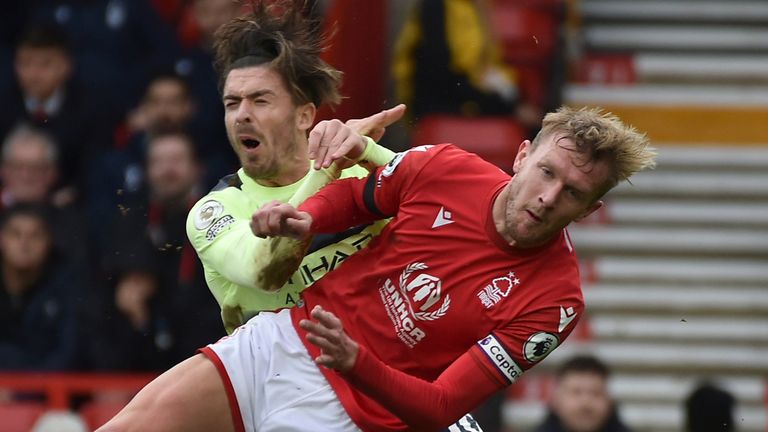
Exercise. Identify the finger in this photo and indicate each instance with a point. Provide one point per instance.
(257, 223)
(326, 360)
(379, 120)
(315, 137)
(376, 134)
(319, 330)
(324, 344)
(352, 145)
(327, 319)
(340, 132)
(277, 218)
(327, 142)
(256, 230)
(300, 227)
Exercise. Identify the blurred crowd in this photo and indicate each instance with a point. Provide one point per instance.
(111, 129)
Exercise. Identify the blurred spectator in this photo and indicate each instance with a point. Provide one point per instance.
(709, 409)
(196, 66)
(39, 295)
(12, 20)
(166, 106)
(581, 402)
(117, 44)
(28, 174)
(47, 97)
(447, 61)
(158, 305)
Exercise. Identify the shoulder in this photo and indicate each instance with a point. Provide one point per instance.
(443, 161)
(220, 208)
(229, 181)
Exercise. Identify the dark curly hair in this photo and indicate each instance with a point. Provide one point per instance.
(277, 33)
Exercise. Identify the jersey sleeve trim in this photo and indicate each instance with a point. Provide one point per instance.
(369, 198)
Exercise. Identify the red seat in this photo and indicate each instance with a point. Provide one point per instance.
(495, 139)
(95, 414)
(20, 416)
(526, 34)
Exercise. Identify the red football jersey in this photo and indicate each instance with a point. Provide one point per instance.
(439, 280)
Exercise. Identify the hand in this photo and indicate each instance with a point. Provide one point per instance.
(132, 295)
(280, 219)
(337, 350)
(331, 140)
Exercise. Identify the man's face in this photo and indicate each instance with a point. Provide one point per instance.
(41, 71)
(27, 172)
(581, 401)
(171, 168)
(24, 242)
(167, 105)
(553, 186)
(265, 128)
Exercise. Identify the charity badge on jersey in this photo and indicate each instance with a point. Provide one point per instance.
(415, 296)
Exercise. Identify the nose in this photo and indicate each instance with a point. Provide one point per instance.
(549, 195)
(243, 113)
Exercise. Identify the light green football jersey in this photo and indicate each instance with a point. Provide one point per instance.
(218, 227)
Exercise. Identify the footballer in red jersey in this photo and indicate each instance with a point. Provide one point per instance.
(440, 281)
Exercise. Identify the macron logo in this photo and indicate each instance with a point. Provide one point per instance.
(443, 218)
(566, 316)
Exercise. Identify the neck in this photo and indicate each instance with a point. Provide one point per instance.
(291, 169)
(285, 178)
(18, 281)
(500, 215)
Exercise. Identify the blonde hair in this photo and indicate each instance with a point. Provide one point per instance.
(601, 136)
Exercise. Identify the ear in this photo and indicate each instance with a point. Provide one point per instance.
(593, 208)
(522, 153)
(305, 116)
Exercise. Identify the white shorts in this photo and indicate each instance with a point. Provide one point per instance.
(271, 381)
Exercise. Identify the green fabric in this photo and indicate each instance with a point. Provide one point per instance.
(218, 227)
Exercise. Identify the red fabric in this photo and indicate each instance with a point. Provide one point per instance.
(439, 279)
(430, 406)
(337, 207)
(237, 418)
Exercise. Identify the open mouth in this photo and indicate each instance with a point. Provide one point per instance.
(250, 143)
(533, 216)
